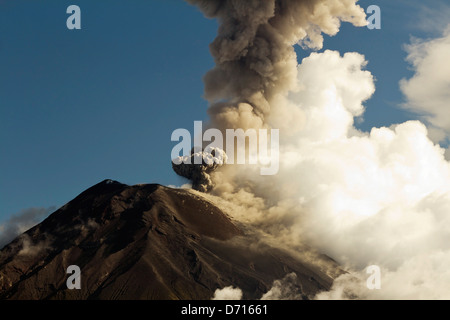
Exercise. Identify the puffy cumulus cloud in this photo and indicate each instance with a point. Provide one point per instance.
(364, 198)
(422, 276)
(380, 197)
(427, 92)
(330, 102)
(20, 222)
(228, 293)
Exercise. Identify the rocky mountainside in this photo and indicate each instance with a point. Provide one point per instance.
(145, 242)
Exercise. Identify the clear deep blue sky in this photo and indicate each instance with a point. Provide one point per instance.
(80, 106)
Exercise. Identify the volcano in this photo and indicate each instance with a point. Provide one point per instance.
(146, 242)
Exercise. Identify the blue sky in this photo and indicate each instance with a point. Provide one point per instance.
(81, 106)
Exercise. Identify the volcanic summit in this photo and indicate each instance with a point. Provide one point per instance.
(145, 242)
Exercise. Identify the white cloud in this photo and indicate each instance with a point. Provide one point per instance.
(29, 248)
(20, 222)
(433, 15)
(228, 293)
(428, 91)
(287, 288)
(364, 198)
(380, 197)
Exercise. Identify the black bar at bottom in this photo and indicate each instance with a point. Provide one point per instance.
(258, 309)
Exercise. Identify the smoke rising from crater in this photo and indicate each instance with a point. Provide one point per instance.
(254, 54)
(198, 166)
(380, 197)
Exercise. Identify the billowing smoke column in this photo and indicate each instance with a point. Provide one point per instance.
(198, 166)
(256, 62)
(380, 197)
(254, 54)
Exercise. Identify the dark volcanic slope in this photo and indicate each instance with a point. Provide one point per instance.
(143, 242)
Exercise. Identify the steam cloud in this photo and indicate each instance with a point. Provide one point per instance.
(380, 197)
(284, 289)
(254, 54)
(287, 288)
(20, 222)
(428, 91)
(228, 293)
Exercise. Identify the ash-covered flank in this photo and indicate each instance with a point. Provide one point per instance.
(144, 242)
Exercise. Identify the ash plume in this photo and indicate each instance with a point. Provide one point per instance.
(379, 197)
(199, 165)
(254, 54)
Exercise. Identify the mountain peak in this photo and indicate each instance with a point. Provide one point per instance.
(109, 181)
(144, 242)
